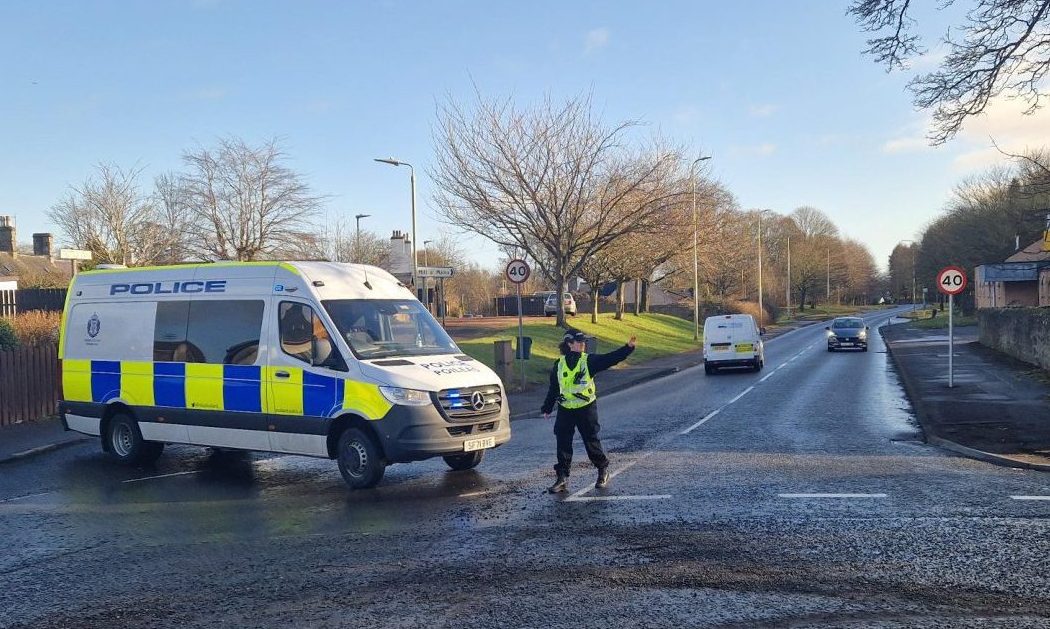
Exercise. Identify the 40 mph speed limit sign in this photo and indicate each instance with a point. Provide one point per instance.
(951, 280)
(518, 271)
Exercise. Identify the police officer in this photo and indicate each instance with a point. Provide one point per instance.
(572, 387)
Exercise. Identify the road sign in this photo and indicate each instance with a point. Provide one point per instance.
(518, 271)
(434, 271)
(951, 280)
(74, 254)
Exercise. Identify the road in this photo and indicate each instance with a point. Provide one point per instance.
(801, 496)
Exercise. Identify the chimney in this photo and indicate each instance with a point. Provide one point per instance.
(8, 238)
(42, 245)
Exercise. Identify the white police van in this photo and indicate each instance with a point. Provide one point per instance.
(313, 358)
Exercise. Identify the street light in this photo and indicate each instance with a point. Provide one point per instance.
(761, 311)
(412, 176)
(357, 238)
(696, 263)
(912, 242)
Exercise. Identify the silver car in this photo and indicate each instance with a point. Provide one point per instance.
(550, 307)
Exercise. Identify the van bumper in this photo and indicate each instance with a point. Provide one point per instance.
(414, 433)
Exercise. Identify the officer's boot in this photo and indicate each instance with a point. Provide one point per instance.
(603, 478)
(560, 485)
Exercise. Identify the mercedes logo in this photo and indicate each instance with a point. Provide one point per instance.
(477, 401)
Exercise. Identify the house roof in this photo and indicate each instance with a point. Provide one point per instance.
(31, 268)
(1032, 253)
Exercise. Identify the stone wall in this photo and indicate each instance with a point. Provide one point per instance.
(1023, 333)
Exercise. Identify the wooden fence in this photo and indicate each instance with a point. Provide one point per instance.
(13, 302)
(30, 383)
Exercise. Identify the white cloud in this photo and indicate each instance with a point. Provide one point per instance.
(928, 62)
(906, 144)
(596, 39)
(1004, 123)
(756, 150)
(762, 111)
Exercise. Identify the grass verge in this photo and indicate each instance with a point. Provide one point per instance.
(658, 335)
(941, 322)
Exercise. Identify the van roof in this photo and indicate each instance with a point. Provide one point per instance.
(328, 280)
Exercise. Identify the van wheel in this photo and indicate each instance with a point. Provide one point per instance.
(360, 461)
(708, 369)
(759, 364)
(465, 461)
(124, 442)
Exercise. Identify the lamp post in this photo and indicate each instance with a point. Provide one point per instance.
(788, 295)
(696, 260)
(412, 178)
(357, 238)
(912, 243)
(761, 311)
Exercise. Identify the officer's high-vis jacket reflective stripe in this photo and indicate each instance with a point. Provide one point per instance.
(576, 385)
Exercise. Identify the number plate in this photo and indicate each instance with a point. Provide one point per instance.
(745, 347)
(479, 444)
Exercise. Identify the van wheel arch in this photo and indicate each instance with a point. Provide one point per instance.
(107, 415)
(341, 424)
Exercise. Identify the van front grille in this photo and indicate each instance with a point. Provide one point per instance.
(470, 403)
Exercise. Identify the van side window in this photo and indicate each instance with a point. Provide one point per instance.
(225, 332)
(222, 332)
(304, 337)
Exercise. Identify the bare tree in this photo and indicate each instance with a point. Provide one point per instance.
(111, 216)
(173, 217)
(245, 202)
(549, 180)
(1004, 48)
(338, 241)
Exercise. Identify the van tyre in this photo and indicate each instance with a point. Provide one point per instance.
(124, 442)
(465, 461)
(708, 369)
(360, 459)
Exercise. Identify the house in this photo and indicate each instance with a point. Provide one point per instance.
(1022, 280)
(17, 270)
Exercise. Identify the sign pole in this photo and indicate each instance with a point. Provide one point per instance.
(521, 339)
(442, 304)
(951, 340)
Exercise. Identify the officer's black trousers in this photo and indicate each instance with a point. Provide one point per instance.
(586, 421)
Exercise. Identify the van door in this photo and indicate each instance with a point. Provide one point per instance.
(305, 380)
(223, 372)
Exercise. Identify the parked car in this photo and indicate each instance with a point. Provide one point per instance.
(733, 340)
(550, 306)
(847, 333)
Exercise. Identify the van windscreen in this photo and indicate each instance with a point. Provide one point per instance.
(383, 328)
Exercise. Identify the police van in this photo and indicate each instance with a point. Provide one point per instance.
(313, 358)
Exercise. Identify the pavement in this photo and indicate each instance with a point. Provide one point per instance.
(18, 441)
(998, 410)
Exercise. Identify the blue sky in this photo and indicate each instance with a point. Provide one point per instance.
(777, 92)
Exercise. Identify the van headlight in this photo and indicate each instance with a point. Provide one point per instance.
(406, 397)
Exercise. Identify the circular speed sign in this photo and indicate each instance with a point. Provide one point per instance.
(518, 271)
(951, 280)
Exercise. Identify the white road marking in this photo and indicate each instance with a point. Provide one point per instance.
(24, 497)
(575, 498)
(768, 375)
(474, 494)
(831, 495)
(136, 480)
(701, 422)
(1030, 497)
(742, 394)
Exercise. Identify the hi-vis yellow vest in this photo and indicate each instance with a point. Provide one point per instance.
(576, 385)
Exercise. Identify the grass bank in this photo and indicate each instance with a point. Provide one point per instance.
(658, 335)
(826, 312)
(941, 322)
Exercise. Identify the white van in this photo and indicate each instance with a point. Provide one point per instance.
(314, 358)
(733, 340)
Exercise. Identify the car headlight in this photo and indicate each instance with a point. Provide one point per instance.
(406, 397)
(830, 334)
(863, 334)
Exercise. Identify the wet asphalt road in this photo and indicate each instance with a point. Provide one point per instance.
(800, 496)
